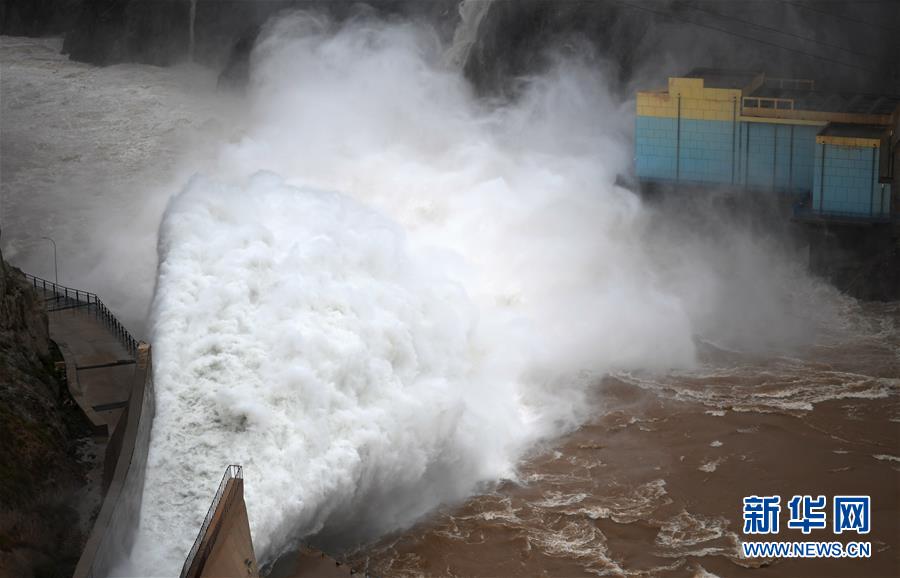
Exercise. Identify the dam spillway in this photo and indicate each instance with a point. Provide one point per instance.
(109, 374)
(382, 283)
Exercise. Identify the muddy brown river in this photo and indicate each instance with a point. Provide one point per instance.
(653, 485)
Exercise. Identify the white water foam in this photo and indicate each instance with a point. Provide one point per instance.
(370, 354)
(497, 229)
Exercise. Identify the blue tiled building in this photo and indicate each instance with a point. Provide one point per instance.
(763, 134)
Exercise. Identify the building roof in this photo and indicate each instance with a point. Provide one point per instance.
(802, 92)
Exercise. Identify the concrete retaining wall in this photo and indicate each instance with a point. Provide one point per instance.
(114, 529)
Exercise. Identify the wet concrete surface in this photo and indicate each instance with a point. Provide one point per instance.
(103, 368)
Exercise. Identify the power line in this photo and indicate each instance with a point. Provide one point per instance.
(744, 36)
(803, 6)
(777, 31)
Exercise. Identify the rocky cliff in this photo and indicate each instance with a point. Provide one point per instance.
(845, 46)
(40, 427)
(160, 32)
(37, 17)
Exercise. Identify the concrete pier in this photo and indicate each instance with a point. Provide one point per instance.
(99, 369)
(224, 545)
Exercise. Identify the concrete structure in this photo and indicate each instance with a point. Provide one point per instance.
(890, 163)
(112, 536)
(224, 546)
(110, 375)
(746, 130)
(309, 562)
(827, 159)
(99, 369)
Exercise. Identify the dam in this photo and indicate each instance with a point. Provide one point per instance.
(109, 374)
(491, 289)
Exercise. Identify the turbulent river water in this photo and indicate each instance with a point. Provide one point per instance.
(653, 484)
(438, 336)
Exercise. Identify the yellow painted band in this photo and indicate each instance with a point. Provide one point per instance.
(848, 141)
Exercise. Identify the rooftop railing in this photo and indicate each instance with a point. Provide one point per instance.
(760, 102)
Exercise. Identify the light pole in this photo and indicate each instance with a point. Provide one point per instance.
(55, 268)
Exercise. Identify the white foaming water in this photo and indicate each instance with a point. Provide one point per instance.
(370, 354)
(367, 354)
(695, 534)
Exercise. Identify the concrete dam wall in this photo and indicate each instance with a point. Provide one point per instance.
(80, 316)
(114, 529)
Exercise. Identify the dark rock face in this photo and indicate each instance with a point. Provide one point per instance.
(845, 46)
(862, 261)
(237, 70)
(852, 49)
(40, 532)
(159, 31)
(146, 31)
(519, 38)
(37, 17)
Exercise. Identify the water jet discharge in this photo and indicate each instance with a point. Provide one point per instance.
(449, 298)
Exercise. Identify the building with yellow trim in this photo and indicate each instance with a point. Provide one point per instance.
(747, 130)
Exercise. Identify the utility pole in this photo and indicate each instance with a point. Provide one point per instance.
(55, 268)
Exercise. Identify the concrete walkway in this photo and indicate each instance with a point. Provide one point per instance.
(99, 369)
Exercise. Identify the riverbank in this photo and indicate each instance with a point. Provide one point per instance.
(48, 459)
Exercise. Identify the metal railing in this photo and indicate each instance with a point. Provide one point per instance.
(760, 102)
(231, 472)
(67, 297)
